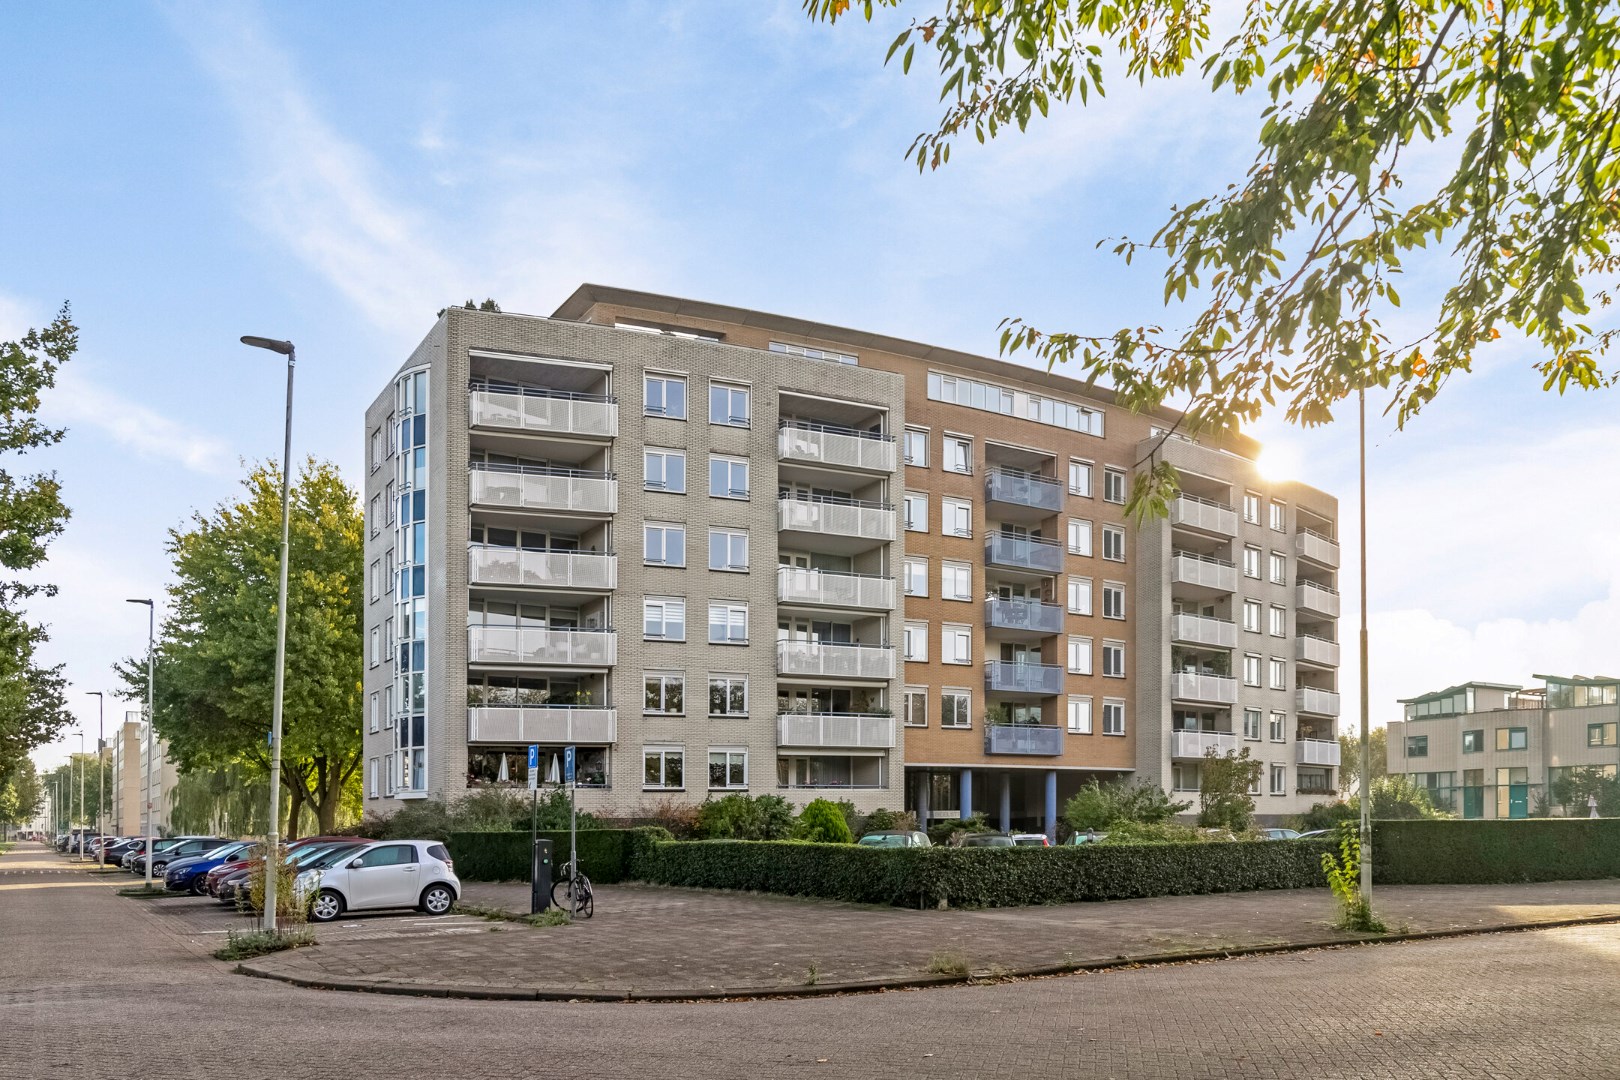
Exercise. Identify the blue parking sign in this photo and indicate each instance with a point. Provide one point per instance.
(534, 766)
(568, 765)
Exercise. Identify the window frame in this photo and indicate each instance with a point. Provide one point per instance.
(955, 507)
(953, 440)
(956, 694)
(730, 461)
(665, 454)
(728, 682)
(909, 564)
(1416, 746)
(732, 389)
(1524, 736)
(910, 523)
(1279, 779)
(1088, 646)
(1113, 717)
(955, 568)
(1078, 725)
(1257, 716)
(665, 529)
(908, 696)
(1113, 485)
(1117, 648)
(665, 680)
(1082, 467)
(1086, 591)
(951, 635)
(664, 753)
(1080, 529)
(679, 378)
(729, 533)
(1113, 536)
(730, 608)
(665, 603)
(907, 435)
(1113, 589)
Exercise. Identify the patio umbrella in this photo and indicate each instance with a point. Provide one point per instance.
(504, 774)
(552, 775)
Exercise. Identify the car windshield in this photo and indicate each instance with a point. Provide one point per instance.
(329, 857)
(883, 840)
(221, 851)
(302, 856)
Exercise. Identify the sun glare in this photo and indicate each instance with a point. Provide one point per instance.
(1278, 461)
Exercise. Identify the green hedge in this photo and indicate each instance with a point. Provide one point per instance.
(983, 877)
(1479, 852)
(605, 855)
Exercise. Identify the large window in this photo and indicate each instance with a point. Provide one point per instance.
(665, 470)
(1113, 717)
(664, 618)
(728, 477)
(1080, 596)
(1080, 478)
(956, 454)
(1113, 486)
(1080, 655)
(955, 644)
(664, 544)
(728, 695)
(728, 404)
(728, 549)
(1080, 537)
(916, 706)
(662, 768)
(1512, 738)
(956, 580)
(915, 509)
(973, 394)
(956, 517)
(1079, 716)
(955, 709)
(1113, 659)
(663, 693)
(665, 396)
(728, 623)
(914, 577)
(914, 444)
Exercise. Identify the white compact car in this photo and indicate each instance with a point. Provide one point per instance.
(387, 874)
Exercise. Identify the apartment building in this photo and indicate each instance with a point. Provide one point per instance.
(1493, 750)
(125, 808)
(938, 538)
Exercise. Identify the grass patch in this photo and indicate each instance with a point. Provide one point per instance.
(947, 963)
(142, 892)
(246, 944)
(552, 916)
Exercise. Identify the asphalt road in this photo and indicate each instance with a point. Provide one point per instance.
(93, 985)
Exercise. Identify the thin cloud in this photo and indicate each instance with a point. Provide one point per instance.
(77, 401)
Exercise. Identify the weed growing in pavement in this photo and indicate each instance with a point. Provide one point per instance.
(246, 944)
(552, 916)
(143, 892)
(1344, 878)
(947, 963)
(812, 974)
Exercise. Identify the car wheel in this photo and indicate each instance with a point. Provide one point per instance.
(437, 899)
(199, 886)
(327, 906)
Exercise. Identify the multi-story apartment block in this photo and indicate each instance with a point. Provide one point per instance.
(126, 814)
(937, 540)
(1494, 750)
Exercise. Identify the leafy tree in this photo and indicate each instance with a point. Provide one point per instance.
(1350, 755)
(1483, 129)
(1224, 786)
(1574, 786)
(1098, 806)
(487, 305)
(1395, 798)
(21, 796)
(745, 817)
(886, 820)
(823, 822)
(66, 776)
(216, 650)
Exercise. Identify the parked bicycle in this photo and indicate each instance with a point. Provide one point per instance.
(572, 892)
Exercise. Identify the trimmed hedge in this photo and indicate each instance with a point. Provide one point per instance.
(1495, 852)
(605, 855)
(983, 877)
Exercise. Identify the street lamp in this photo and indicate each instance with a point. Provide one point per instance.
(101, 772)
(82, 815)
(272, 846)
(1366, 742)
(151, 658)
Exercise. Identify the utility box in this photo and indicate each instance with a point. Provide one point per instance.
(540, 877)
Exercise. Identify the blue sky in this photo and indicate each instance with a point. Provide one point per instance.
(336, 173)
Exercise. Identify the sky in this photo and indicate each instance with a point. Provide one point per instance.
(334, 174)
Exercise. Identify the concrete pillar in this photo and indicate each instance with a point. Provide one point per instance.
(965, 779)
(1006, 802)
(1051, 805)
(925, 791)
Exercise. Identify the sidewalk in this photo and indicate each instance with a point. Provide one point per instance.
(655, 942)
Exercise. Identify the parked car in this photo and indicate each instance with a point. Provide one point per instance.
(1281, 834)
(182, 847)
(987, 839)
(388, 874)
(232, 877)
(1031, 839)
(1090, 836)
(190, 874)
(912, 838)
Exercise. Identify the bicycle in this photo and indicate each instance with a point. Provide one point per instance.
(572, 892)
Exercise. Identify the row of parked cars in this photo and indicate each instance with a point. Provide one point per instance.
(333, 874)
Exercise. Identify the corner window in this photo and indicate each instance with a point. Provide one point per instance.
(728, 404)
(662, 768)
(665, 395)
(1113, 486)
(728, 769)
(914, 445)
(728, 477)
(664, 470)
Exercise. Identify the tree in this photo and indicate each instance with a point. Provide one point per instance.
(1350, 756)
(21, 796)
(1098, 806)
(216, 651)
(1224, 786)
(1394, 798)
(1574, 786)
(822, 822)
(1282, 280)
(66, 775)
(739, 816)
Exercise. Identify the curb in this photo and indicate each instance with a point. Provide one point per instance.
(917, 982)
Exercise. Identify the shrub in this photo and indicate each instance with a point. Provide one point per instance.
(854, 820)
(605, 854)
(1327, 816)
(1166, 832)
(288, 909)
(823, 822)
(745, 817)
(1224, 783)
(1096, 805)
(1491, 852)
(886, 820)
(944, 832)
(1344, 878)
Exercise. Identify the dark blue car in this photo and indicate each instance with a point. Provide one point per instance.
(191, 874)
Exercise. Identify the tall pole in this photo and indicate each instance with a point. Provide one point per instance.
(101, 774)
(83, 813)
(151, 666)
(1366, 742)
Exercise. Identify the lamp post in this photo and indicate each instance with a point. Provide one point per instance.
(101, 773)
(272, 849)
(151, 658)
(1366, 743)
(83, 815)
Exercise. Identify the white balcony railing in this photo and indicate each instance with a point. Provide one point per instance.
(538, 490)
(1192, 512)
(1194, 686)
(1203, 572)
(543, 413)
(818, 659)
(835, 731)
(864, 521)
(1317, 752)
(541, 724)
(835, 449)
(1316, 650)
(1316, 548)
(800, 585)
(487, 565)
(1192, 745)
(1308, 699)
(1203, 630)
(540, 646)
(1317, 599)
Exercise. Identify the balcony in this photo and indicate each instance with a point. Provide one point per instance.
(540, 412)
(1316, 548)
(1317, 752)
(1316, 599)
(1029, 739)
(524, 487)
(815, 659)
(1207, 630)
(1308, 699)
(541, 724)
(1320, 651)
(1192, 745)
(835, 731)
(1021, 618)
(1193, 686)
(504, 566)
(1031, 555)
(826, 588)
(1029, 680)
(834, 447)
(828, 517)
(1024, 491)
(1204, 515)
(1202, 573)
(541, 647)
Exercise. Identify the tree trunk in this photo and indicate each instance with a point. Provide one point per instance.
(295, 804)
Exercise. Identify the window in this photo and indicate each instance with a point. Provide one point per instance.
(1251, 616)
(1113, 716)
(954, 709)
(1113, 486)
(376, 646)
(956, 517)
(1417, 746)
(1279, 569)
(376, 449)
(1113, 543)
(376, 579)
(728, 477)
(388, 570)
(728, 623)
(1279, 779)
(728, 769)
(376, 710)
(371, 778)
(914, 641)
(1605, 734)
(1279, 674)
(955, 644)
(1254, 788)
(728, 695)
(1080, 537)
(1279, 727)
(916, 511)
(728, 549)
(1079, 716)
(1251, 670)
(1251, 562)
(374, 518)
(1251, 723)
(1113, 656)
(814, 354)
(1279, 517)
(665, 396)
(662, 768)
(1251, 508)
(1080, 478)
(1184, 777)
(1080, 655)
(664, 470)
(388, 635)
(973, 394)
(1113, 600)
(956, 580)
(663, 618)
(728, 404)
(390, 502)
(956, 454)
(1279, 621)
(664, 544)
(914, 577)
(1473, 742)
(914, 444)
(915, 699)
(1512, 738)
(664, 693)
(1080, 596)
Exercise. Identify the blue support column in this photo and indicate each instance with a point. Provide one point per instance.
(1006, 802)
(1051, 805)
(965, 779)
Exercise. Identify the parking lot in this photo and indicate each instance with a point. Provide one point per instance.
(207, 921)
